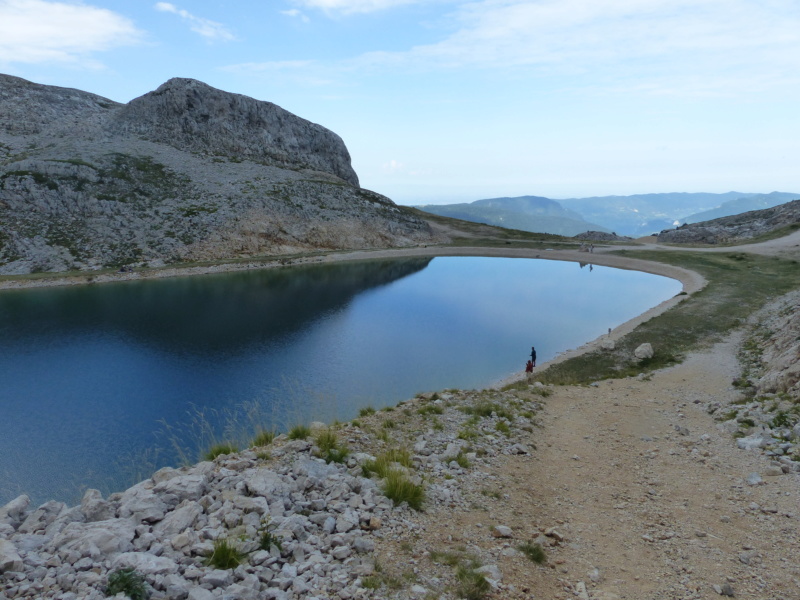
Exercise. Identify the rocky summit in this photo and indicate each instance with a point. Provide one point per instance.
(184, 173)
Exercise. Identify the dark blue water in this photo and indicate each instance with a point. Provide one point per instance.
(99, 383)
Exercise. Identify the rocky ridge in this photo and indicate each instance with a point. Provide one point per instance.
(601, 236)
(184, 173)
(739, 227)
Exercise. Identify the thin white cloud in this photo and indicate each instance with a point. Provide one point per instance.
(354, 6)
(275, 65)
(671, 39)
(393, 166)
(656, 47)
(211, 30)
(38, 31)
(295, 14)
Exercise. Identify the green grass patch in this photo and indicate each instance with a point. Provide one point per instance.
(503, 428)
(534, 552)
(330, 448)
(366, 411)
(263, 438)
(128, 581)
(299, 432)
(220, 449)
(399, 488)
(225, 555)
(484, 408)
(430, 409)
(471, 584)
(738, 285)
(385, 461)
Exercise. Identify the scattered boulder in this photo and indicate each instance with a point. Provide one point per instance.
(644, 351)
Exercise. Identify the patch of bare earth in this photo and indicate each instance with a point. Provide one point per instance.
(634, 493)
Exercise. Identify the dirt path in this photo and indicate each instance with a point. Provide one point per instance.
(636, 495)
(653, 495)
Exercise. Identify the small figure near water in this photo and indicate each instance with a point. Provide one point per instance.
(533, 356)
(529, 367)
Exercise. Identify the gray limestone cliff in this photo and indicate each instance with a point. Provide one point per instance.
(184, 173)
(735, 228)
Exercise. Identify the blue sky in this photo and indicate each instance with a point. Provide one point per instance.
(453, 101)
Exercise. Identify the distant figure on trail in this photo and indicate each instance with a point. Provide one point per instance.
(529, 367)
(533, 355)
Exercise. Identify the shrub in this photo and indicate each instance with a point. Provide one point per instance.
(389, 424)
(781, 420)
(299, 432)
(128, 581)
(399, 488)
(366, 411)
(535, 552)
(220, 449)
(430, 409)
(225, 555)
(503, 427)
(267, 539)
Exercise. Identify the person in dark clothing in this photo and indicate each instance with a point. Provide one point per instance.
(533, 355)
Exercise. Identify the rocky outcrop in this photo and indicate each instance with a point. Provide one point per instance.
(184, 173)
(767, 418)
(735, 228)
(191, 115)
(601, 236)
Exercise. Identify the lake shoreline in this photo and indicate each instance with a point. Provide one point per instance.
(691, 281)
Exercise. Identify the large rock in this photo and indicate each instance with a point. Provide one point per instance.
(184, 487)
(145, 563)
(644, 351)
(142, 504)
(9, 557)
(179, 519)
(14, 512)
(96, 540)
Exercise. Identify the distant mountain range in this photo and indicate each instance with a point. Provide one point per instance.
(636, 215)
(528, 213)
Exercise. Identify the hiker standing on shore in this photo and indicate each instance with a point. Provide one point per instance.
(533, 355)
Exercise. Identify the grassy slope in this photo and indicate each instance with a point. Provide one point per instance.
(738, 285)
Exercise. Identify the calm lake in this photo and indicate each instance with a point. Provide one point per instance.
(100, 384)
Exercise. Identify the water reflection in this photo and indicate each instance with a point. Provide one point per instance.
(215, 313)
(90, 374)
